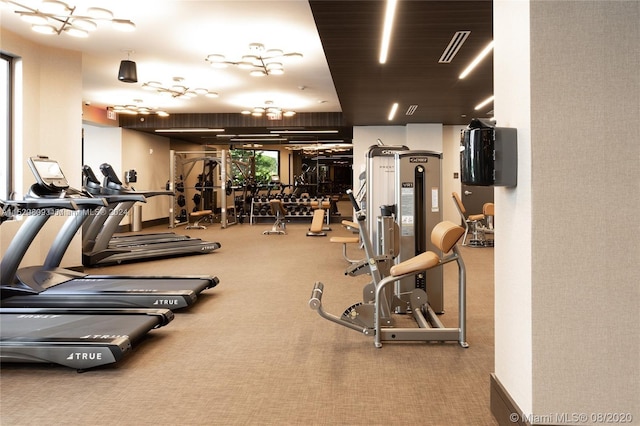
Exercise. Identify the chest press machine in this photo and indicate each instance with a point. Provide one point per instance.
(373, 316)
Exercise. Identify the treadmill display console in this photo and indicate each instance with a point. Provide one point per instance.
(48, 173)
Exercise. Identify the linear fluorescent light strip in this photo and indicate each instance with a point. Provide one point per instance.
(242, 140)
(477, 60)
(386, 31)
(454, 46)
(303, 131)
(485, 102)
(392, 113)
(188, 130)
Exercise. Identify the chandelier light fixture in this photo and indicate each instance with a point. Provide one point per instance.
(137, 109)
(178, 89)
(57, 17)
(260, 62)
(271, 111)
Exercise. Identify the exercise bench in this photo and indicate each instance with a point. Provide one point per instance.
(197, 217)
(317, 224)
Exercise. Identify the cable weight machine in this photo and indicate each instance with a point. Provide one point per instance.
(212, 190)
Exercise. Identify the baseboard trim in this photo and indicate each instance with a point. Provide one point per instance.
(503, 407)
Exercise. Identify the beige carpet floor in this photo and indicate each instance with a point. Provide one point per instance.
(252, 352)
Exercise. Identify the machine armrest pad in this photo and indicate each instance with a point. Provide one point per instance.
(421, 262)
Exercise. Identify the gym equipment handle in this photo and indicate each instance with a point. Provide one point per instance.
(316, 296)
(353, 200)
(360, 215)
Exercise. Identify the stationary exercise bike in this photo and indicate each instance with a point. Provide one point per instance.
(375, 315)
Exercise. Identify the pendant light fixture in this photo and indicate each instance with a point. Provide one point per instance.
(128, 72)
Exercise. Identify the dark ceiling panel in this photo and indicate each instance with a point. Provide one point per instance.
(350, 35)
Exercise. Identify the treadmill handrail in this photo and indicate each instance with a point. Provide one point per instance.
(27, 232)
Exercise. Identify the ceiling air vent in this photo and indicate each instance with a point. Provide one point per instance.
(411, 109)
(454, 46)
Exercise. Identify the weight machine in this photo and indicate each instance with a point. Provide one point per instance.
(215, 167)
(373, 316)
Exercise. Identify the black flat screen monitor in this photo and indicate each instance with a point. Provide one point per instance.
(48, 173)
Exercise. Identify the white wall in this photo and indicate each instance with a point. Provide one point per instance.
(512, 256)
(149, 156)
(131, 150)
(49, 123)
(102, 145)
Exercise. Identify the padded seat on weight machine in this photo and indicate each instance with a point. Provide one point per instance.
(197, 217)
(471, 222)
(344, 241)
(444, 236)
(351, 226)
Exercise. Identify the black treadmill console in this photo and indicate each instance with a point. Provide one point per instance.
(90, 182)
(111, 180)
(48, 173)
(52, 183)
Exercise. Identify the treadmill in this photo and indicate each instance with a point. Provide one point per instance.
(73, 337)
(114, 212)
(99, 247)
(51, 286)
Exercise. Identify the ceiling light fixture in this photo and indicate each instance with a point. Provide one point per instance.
(386, 30)
(259, 61)
(136, 109)
(485, 102)
(128, 73)
(299, 132)
(477, 60)
(270, 110)
(392, 113)
(56, 17)
(178, 90)
(189, 130)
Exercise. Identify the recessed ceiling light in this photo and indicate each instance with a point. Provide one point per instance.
(386, 30)
(477, 60)
(485, 102)
(392, 113)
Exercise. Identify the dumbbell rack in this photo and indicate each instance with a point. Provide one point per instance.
(296, 207)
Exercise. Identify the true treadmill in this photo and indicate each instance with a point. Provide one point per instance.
(98, 251)
(51, 286)
(73, 337)
(115, 211)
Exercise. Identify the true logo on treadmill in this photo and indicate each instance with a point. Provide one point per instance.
(104, 336)
(85, 356)
(166, 302)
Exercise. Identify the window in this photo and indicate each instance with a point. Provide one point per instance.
(267, 164)
(6, 184)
